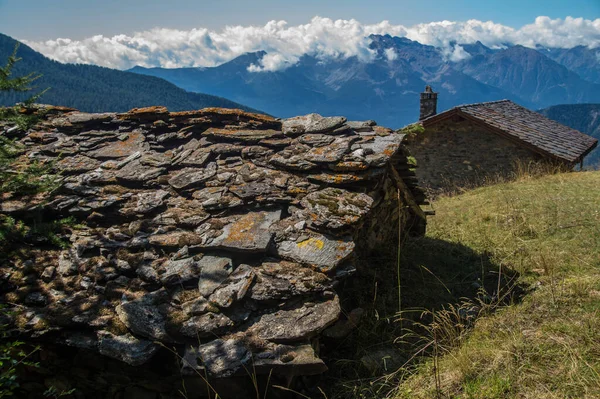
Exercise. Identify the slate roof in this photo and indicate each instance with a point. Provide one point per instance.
(524, 127)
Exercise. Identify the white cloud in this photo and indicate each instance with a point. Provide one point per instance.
(390, 54)
(323, 38)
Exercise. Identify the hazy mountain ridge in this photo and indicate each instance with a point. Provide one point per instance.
(97, 89)
(387, 88)
(582, 117)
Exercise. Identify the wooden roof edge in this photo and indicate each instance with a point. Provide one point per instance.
(586, 152)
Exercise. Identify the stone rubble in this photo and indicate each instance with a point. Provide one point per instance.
(220, 232)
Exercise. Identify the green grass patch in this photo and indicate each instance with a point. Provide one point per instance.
(547, 231)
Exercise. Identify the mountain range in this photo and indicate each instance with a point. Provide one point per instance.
(96, 89)
(387, 88)
(583, 117)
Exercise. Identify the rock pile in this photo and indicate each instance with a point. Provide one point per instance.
(220, 232)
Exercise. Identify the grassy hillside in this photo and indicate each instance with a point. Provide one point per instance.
(95, 89)
(548, 344)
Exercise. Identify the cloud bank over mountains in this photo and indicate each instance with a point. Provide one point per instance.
(323, 38)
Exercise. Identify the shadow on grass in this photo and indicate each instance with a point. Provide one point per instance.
(434, 275)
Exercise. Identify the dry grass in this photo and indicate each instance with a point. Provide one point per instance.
(548, 346)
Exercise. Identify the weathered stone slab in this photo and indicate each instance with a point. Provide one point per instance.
(334, 209)
(289, 360)
(135, 172)
(245, 135)
(197, 158)
(293, 158)
(317, 250)
(220, 357)
(121, 149)
(182, 212)
(247, 232)
(149, 201)
(179, 271)
(235, 288)
(284, 280)
(142, 316)
(297, 323)
(191, 177)
(213, 272)
(206, 325)
(77, 164)
(333, 152)
(174, 239)
(213, 198)
(361, 126)
(316, 140)
(311, 123)
(386, 145)
(126, 348)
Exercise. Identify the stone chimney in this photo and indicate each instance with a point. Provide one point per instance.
(428, 103)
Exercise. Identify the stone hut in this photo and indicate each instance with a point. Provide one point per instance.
(223, 234)
(468, 144)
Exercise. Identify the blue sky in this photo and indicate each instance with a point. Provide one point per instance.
(77, 19)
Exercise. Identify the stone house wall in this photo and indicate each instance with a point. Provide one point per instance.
(455, 154)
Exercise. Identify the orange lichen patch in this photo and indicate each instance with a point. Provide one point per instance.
(350, 166)
(39, 137)
(382, 131)
(141, 112)
(185, 114)
(242, 230)
(390, 150)
(237, 112)
(127, 147)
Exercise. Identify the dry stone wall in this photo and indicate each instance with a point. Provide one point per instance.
(218, 232)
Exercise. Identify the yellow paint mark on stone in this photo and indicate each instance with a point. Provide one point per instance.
(313, 242)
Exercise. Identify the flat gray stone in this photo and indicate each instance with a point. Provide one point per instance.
(334, 209)
(297, 323)
(77, 164)
(191, 177)
(285, 280)
(206, 325)
(316, 140)
(149, 201)
(293, 158)
(122, 149)
(361, 126)
(317, 250)
(311, 123)
(126, 348)
(235, 288)
(246, 232)
(215, 198)
(135, 172)
(174, 239)
(197, 158)
(220, 357)
(142, 317)
(214, 270)
(333, 152)
(245, 135)
(386, 145)
(179, 271)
